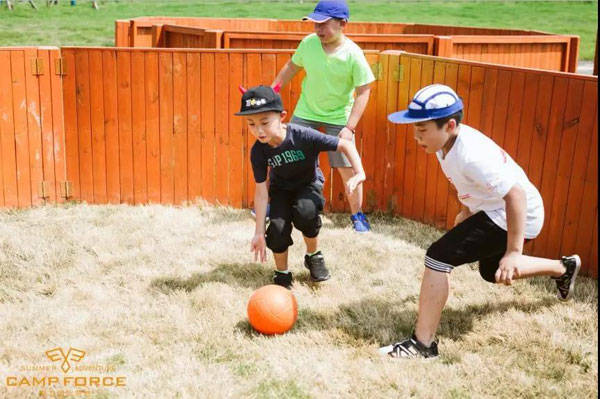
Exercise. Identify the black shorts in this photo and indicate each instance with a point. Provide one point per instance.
(300, 208)
(477, 238)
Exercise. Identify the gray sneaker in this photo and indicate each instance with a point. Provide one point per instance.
(566, 283)
(411, 348)
(316, 265)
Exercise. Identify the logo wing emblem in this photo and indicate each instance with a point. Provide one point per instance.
(73, 354)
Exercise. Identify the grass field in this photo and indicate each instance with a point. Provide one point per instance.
(81, 25)
(158, 295)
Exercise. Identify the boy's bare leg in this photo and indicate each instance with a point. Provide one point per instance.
(354, 199)
(281, 260)
(530, 266)
(432, 298)
(311, 244)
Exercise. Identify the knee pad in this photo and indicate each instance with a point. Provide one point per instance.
(487, 270)
(305, 216)
(279, 235)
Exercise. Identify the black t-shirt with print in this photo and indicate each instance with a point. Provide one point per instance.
(295, 162)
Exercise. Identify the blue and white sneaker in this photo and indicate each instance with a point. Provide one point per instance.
(360, 223)
(253, 213)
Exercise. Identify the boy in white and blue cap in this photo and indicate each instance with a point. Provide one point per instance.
(336, 69)
(500, 210)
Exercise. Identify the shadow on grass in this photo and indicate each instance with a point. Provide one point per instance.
(586, 288)
(380, 322)
(396, 227)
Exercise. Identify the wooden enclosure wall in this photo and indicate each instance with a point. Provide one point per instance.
(510, 47)
(32, 145)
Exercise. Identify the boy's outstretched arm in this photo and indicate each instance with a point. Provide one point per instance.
(286, 74)
(516, 212)
(349, 150)
(261, 199)
(360, 103)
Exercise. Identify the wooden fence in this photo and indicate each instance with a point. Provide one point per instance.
(530, 49)
(157, 126)
(32, 145)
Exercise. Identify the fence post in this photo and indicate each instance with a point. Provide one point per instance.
(573, 55)
(443, 46)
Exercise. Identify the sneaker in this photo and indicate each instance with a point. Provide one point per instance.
(359, 223)
(316, 265)
(566, 283)
(253, 213)
(283, 279)
(410, 348)
(363, 217)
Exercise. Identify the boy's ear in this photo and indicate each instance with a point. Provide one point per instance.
(283, 115)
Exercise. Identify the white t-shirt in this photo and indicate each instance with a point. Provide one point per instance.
(483, 173)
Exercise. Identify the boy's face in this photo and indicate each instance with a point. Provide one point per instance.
(430, 137)
(265, 125)
(329, 30)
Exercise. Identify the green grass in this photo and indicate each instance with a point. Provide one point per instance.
(65, 25)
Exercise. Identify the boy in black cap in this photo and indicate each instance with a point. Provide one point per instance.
(296, 182)
(500, 210)
(336, 69)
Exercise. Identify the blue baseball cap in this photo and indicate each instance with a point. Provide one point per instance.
(431, 102)
(327, 9)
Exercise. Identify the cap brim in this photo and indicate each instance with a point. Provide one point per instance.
(316, 17)
(402, 117)
(257, 111)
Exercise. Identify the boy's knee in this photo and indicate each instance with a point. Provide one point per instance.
(279, 235)
(487, 271)
(306, 217)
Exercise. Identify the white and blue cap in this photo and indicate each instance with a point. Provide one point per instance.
(327, 9)
(431, 102)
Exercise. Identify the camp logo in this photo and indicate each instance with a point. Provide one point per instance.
(73, 354)
(65, 376)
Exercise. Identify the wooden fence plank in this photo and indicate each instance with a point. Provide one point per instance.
(237, 161)
(167, 155)
(222, 128)
(34, 127)
(152, 113)
(138, 127)
(111, 125)
(46, 125)
(58, 132)
(125, 125)
(208, 126)
(7, 134)
(389, 201)
(194, 127)
(180, 168)
(70, 120)
(97, 127)
(402, 132)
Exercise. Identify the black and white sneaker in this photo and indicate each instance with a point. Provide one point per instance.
(410, 348)
(283, 279)
(316, 265)
(566, 283)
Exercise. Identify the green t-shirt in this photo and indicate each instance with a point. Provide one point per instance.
(328, 87)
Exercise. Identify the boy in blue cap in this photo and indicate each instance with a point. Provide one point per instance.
(336, 68)
(500, 210)
(295, 192)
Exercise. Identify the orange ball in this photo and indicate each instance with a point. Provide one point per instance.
(272, 309)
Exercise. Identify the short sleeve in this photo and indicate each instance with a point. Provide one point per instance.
(492, 176)
(361, 71)
(298, 56)
(321, 141)
(259, 165)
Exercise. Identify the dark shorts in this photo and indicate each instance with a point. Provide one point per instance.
(476, 239)
(300, 208)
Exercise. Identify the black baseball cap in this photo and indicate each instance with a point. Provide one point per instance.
(260, 99)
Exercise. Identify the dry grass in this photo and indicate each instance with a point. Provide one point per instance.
(160, 293)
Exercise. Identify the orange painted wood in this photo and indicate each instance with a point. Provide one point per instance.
(207, 118)
(98, 166)
(84, 130)
(403, 134)
(445, 74)
(380, 98)
(222, 132)
(580, 165)
(138, 127)
(19, 90)
(46, 125)
(111, 125)
(7, 134)
(237, 160)
(180, 128)
(58, 132)
(70, 120)
(540, 130)
(167, 147)
(253, 78)
(556, 215)
(125, 125)
(122, 38)
(369, 138)
(500, 112)
(151, 93)
(194, 83)
(530, 95)
(388, 195)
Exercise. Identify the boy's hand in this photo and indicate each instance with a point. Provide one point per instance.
(345, 133)
(259, 247)
(462, 216)
(508, 268)
(353, 182)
